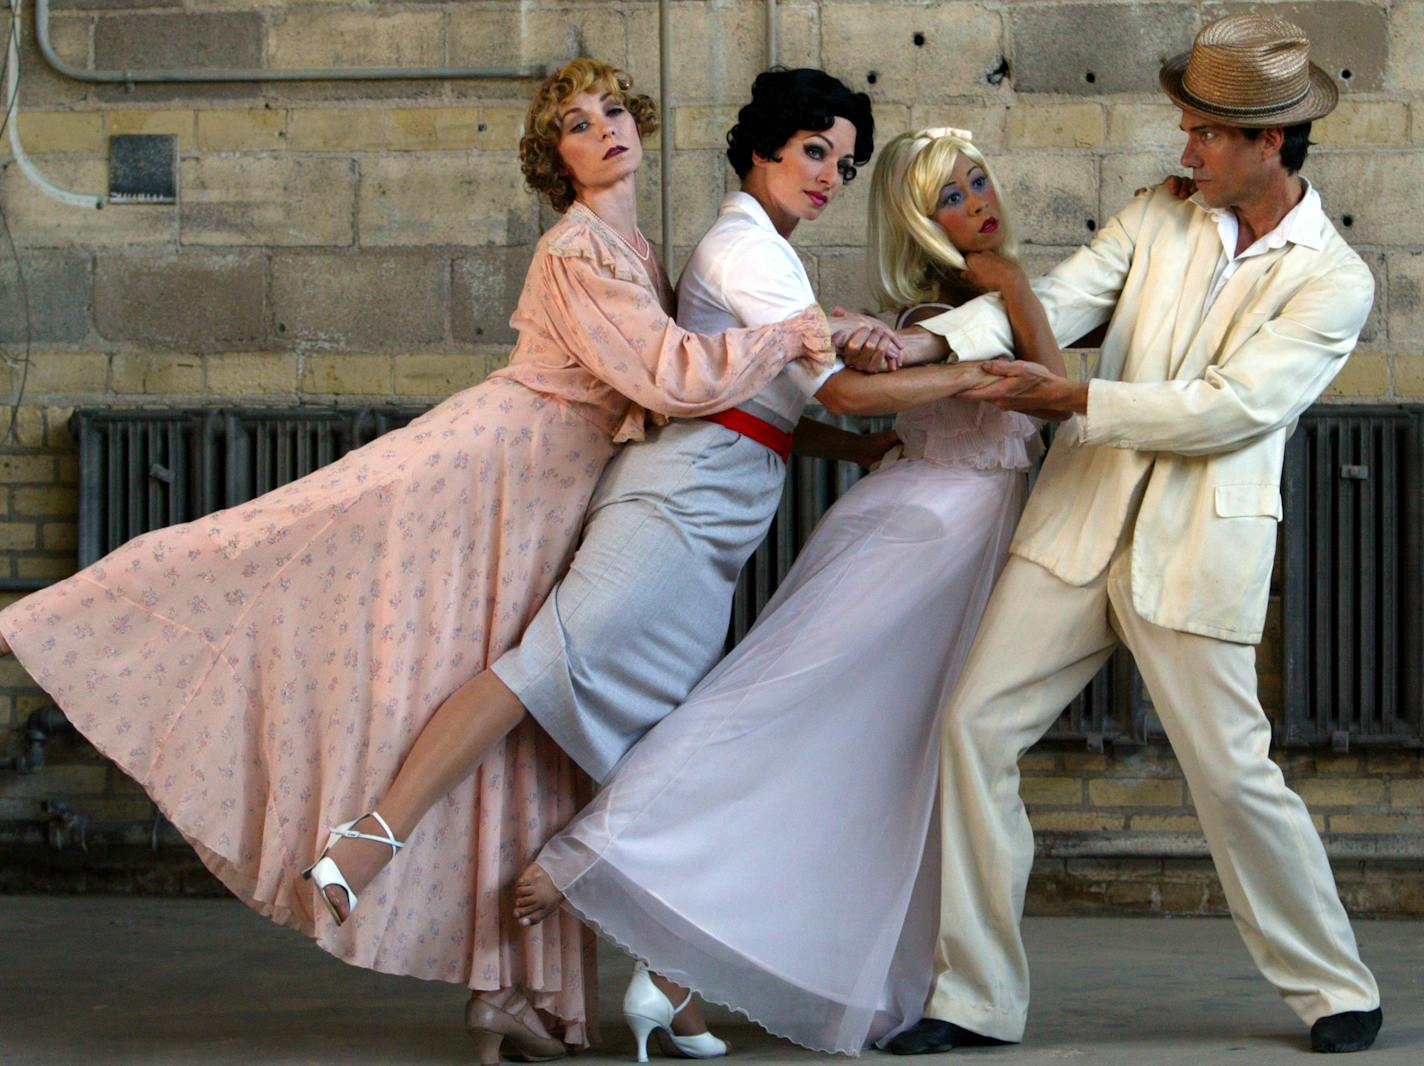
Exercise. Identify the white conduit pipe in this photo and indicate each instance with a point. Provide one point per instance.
(12, 104)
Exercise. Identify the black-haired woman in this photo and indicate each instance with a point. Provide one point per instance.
(642, 614)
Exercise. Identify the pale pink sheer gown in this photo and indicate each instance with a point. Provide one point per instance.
(769, 842)
(262, 672)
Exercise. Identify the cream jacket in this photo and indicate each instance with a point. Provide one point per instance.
(1189, 409)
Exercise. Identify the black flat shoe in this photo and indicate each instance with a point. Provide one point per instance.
(930, 1035)
(1351, 1030)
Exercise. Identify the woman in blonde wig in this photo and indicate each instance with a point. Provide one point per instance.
(763, 843)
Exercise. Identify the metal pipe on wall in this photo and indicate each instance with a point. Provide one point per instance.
(194, 74)
(773, 44)
(773, 49)
(665, 142)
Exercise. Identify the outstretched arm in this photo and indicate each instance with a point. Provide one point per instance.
(1261, 386)
(617, 330)
(851, 392)
(1078, 295)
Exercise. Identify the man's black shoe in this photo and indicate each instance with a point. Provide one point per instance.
(1351, 1030)
(930, 1035)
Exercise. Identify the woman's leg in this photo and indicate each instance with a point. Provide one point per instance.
(689, 1021)
(460, 733)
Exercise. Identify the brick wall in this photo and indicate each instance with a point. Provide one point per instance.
(350, 242)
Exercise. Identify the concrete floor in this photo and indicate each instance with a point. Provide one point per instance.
(128, 980)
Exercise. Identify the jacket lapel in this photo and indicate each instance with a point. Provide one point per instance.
(1230, 304)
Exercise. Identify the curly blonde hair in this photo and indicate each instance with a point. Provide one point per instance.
(911, 253)
(539, 158)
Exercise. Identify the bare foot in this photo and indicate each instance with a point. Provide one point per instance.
(360, 861)
(536, 897)
(4, 647)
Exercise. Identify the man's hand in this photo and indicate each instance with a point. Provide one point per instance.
(1031, 389)
(865, 343)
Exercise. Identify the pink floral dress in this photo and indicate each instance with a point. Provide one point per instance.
(263, 671)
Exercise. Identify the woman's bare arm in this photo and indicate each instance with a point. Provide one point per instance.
(851, 392)
(821, 440)
(1033, 336)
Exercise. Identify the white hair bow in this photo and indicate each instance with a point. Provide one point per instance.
(937, 132)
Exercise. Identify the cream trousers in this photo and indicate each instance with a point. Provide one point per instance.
(1040, 642)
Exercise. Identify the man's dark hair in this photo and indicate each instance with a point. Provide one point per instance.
(1293, 148)
(784, 101)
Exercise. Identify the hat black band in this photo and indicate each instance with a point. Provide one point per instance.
(1244, 112)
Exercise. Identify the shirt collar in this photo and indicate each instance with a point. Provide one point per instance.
(1303, 224)
(744, 203)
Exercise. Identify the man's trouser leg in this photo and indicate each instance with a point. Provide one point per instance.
(1269, 857)
(1040, 642)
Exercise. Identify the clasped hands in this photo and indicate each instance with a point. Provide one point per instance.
(866, 343)
(869, 345)
(1009, 385)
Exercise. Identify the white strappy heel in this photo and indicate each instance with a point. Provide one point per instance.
(324, 872)
(646, 1009)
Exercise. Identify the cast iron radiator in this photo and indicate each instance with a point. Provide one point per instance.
(1352, 578)
(1351, 544)
(142, 470)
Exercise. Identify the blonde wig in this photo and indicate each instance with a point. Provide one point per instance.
(539, 158)
(911, 253)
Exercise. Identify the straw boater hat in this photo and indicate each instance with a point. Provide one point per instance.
(1250, 70)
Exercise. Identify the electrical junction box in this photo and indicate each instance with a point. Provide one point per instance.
(143, 168)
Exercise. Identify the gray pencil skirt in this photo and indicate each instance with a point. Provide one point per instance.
(642, 613)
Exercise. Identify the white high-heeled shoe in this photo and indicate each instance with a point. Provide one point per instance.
(325, 873)
(646, 1010)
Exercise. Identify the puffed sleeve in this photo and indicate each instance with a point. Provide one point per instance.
(617, 330)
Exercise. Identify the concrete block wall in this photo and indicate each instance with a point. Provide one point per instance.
(354, 242)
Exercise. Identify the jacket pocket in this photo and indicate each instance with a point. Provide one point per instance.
(1248, 501)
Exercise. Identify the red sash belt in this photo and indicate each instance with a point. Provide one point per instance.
(750, 426)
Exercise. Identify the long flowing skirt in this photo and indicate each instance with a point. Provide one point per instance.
(768, 843)
(263, 671)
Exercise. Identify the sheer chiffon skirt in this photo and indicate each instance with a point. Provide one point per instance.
(263, 671)
(768, 842)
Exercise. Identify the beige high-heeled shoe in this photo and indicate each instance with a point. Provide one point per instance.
(496, 1031)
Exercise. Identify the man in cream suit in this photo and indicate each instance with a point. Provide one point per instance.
(1153, 524)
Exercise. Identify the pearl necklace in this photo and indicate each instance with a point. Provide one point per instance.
(647, 248)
